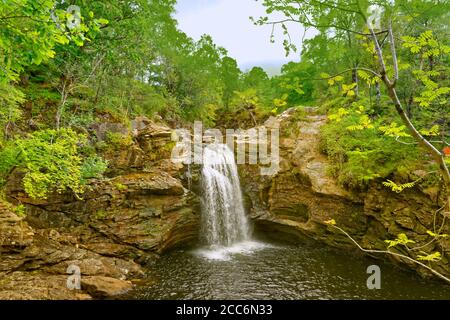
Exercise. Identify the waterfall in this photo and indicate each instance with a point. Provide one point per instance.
(224, 221)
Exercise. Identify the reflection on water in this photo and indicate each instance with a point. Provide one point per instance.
(257, 271)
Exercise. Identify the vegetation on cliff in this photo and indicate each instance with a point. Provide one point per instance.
(74, 76)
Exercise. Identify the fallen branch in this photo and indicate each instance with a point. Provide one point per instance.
(392, 253)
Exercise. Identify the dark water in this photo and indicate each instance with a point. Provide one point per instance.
(255, 271)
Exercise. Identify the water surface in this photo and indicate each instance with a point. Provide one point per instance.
(256, 270)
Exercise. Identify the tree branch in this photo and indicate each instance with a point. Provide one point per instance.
(394, 254)
(350, 70)
(394, 54)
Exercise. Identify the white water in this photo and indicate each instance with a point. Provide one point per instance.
(224, 221)
(226, 253)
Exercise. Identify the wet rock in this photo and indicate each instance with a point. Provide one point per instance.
(104, 287)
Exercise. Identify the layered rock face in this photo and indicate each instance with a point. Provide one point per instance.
(118, 226)
(298, 200)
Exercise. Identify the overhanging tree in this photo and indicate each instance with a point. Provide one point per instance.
(353, 17)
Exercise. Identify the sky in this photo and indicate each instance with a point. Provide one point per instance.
(227, 21)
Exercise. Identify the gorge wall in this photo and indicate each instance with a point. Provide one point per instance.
(296, 202)
(119, 226)
(143, 209)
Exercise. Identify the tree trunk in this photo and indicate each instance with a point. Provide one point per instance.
(428, 146)
(355, 79)
(437, 155)
(378, 96)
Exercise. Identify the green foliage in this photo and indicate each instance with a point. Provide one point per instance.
(10, 100)
(20, 210)
(118, 141)
(433, 257)
(9, 158)
(93, 168)
(402, 239)
(31, 29)
(359, 149)
(394, 130)
(436, 235)
(398, 188)
(51, 161)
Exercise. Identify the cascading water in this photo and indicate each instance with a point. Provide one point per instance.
(223, 214)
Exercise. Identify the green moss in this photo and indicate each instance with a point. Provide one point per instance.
(120, 187)
(99, 215)
(20, 210)
(154, 229)
(118, 141)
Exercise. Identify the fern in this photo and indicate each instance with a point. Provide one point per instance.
(398, 188)
(401, 239)
(433, 257)
(434, 131)
(393, 130)
(337, 117)
(436, 235)
(364, 123)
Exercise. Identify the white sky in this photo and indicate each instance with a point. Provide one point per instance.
(227, 21)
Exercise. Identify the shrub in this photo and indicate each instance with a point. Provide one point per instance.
(50, 160)
(360, 151)
(92, 168)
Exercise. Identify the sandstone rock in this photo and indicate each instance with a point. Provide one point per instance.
(104, 287)
(34, 286)
(405, 222)
(141, 212)
(151, 183)
(14, 232)
(296, 202)
(102, 129)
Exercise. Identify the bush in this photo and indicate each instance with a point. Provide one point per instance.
(50, 160)
(118, 141)
(93, 168)
(8, 159)
(360, 152)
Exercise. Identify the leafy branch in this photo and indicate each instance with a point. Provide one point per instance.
(332, 223)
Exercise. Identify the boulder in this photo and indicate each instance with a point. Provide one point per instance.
(104, 287)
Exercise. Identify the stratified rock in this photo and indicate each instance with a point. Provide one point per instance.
(296, 202)
(121, 223)
(151, 183)
(14, 232)
(104, 287)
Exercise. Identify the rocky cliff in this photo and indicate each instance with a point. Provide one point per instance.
(120, 224)
(296, 202)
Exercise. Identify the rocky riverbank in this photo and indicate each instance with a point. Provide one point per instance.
(118, 226)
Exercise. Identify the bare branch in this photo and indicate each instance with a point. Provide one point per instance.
(394, 53)
(392, 253)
